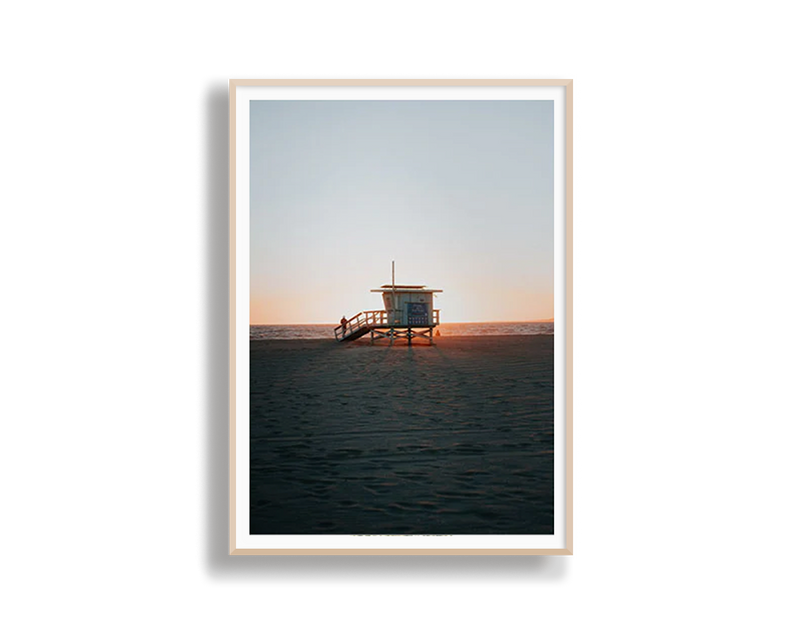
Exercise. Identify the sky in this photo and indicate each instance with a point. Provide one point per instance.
(458, 193)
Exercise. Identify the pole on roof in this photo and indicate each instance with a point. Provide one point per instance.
(394, 296)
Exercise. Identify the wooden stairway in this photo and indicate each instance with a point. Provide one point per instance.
(360, 324)
(378, 322)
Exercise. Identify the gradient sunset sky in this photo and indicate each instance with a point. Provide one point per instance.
(458, 193)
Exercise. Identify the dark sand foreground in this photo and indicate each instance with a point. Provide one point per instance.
(358, 439)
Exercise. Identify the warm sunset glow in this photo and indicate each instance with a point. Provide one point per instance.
(459, 193)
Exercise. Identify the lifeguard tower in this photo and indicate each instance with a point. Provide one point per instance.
(407, 313)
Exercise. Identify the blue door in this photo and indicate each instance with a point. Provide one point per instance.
(417, 314)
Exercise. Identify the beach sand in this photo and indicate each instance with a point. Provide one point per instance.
(455, 438)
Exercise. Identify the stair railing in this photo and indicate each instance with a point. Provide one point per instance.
(370, 319)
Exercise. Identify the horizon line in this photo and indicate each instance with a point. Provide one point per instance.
(294, 324)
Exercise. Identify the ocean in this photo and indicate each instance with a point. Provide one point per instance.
(325, 331)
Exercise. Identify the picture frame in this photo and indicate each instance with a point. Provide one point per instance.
(567, 92)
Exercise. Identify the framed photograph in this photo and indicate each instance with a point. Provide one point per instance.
(401, 317)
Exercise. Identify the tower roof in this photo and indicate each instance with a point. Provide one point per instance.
(405, 288)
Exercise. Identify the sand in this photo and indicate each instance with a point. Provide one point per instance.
(455, 438)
